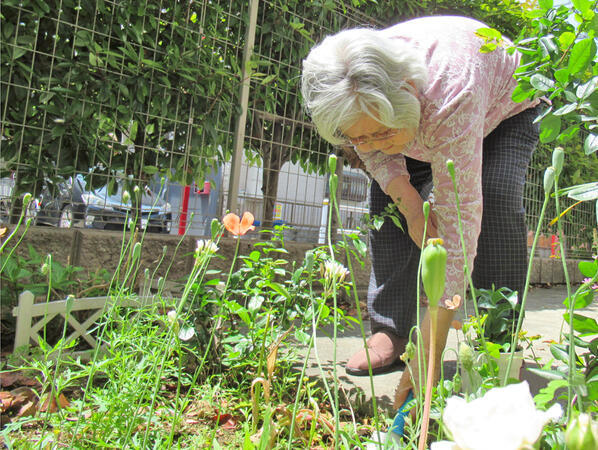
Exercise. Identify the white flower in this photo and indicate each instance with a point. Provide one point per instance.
(335, 272)
(206, 247)
(505, 418)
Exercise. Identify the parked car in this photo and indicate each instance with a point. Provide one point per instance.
(69, 204)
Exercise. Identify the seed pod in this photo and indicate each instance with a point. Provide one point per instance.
(332, 163)
(549, 179)
(434, 257)
(466, 356)
(558, 157)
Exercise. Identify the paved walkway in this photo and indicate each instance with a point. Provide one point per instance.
(543, 317)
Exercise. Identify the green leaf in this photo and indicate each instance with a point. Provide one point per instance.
(583, 324)
(559, 352)
(550, 127)
(520, 94)
(581, 5)
(17, 52)
(587, 268)
(150, 170)
(584, 192)
(546, 4)
(587, 89)
(541, 82)
(561, 75)
(488, 33)
(582, 299)
(590, 144)
(566, 39)
(279, 290)
(581, 54)
(255, 303)
(566, 109)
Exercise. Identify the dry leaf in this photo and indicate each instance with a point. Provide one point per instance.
(28, 409)
(3, 231)
(48, 403)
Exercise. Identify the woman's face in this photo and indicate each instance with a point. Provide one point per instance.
(368, 135)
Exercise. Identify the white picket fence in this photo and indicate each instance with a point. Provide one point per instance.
(32, 317)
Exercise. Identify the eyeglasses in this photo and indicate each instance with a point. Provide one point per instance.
(374, 137)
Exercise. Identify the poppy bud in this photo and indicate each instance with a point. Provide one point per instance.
(333, 183)
(549, 179)
(558, 157)
(332, 163)
(136, 251)
(426, 208)
(450, 166)
(434, 257)
(26, 199)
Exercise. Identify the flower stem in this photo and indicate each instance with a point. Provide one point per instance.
(430, 378)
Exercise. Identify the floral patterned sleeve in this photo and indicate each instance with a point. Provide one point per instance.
(383, 168)
(459, 136)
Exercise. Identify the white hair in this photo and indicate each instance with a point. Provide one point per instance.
(361, 71)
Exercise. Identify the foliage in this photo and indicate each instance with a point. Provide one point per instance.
(559, 62)
(107, 88)
(499, 309)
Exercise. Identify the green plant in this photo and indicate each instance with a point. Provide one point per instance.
(499, 310)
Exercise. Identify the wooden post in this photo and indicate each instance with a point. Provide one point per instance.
(23, 312)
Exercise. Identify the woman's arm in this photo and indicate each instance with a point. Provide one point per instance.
(410, 204)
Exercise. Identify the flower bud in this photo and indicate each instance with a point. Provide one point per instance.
(426, 208)
(434, 257)
(45, 269)
(580, 434)
(215, 228)
(126, 197)
(136, 251)
(457, 382)
(558, 157)
(549, 179)
(450, 166)
(333, 183)
(332, 163)
(466, 356)
(26, 199)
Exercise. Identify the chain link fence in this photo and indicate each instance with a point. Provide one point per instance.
(196, 102)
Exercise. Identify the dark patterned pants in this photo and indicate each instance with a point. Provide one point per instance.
(502, 245)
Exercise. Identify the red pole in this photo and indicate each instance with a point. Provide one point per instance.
(185, 207)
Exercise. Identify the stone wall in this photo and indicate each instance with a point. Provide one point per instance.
(101, 249)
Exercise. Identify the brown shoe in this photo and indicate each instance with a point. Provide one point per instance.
(384, 348)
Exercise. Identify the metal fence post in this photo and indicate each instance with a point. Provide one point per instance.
(239, 138)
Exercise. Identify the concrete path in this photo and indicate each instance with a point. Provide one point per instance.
(543, 317)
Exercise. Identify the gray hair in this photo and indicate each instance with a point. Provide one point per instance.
(361, 71)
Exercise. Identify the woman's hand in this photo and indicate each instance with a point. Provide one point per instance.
(411, 206)
(415, 227)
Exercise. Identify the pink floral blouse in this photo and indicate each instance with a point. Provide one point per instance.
(467, 96)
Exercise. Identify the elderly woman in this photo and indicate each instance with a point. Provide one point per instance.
(406, 99)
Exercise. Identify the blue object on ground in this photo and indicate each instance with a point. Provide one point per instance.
(398, 425)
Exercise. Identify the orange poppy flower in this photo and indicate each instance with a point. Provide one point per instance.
(454, 303)
(238, 226)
